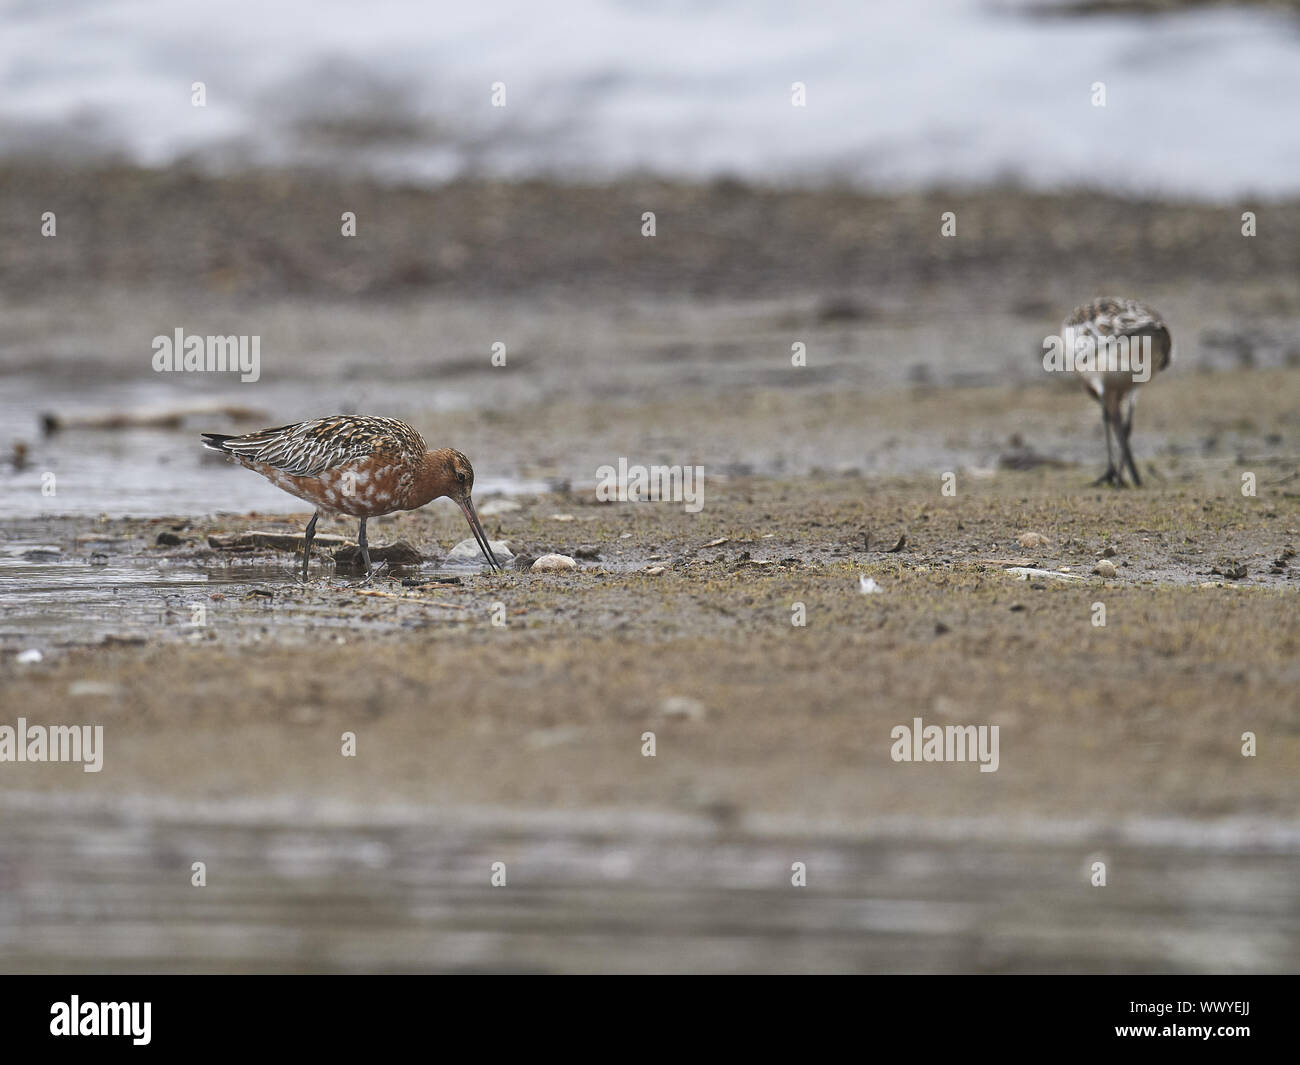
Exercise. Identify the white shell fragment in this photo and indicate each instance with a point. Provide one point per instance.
(1025, 572)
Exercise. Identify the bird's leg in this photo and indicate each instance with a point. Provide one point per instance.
(1122, 430)
(1112, 476)
(306, 544)
(365, 548)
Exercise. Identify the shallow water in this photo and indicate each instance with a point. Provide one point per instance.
(54, 598)
(145, 471)
(925, 92)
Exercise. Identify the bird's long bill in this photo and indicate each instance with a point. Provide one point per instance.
(471, 516)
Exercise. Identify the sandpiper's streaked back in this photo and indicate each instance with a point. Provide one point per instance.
(1116, 390)
(363, 467)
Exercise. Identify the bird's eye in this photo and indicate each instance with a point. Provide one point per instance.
(460, 475)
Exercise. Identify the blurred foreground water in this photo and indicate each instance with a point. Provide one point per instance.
(104, 886)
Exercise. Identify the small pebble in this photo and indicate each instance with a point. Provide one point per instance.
(92, 687)
(493, 507)
(29, 657)
(654, 571)
(469, 551)
(1033, 539)
(682, 706)
(553, 737)
(1105, 568)
(554, 562)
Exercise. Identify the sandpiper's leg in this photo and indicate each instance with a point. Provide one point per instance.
(365, 548)
(1112, 476)
(1122, 431)
(306, 544)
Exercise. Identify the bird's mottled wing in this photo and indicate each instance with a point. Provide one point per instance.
(1108, 317)
(308, 449)
(1114, 317)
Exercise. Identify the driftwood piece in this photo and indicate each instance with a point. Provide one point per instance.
(276, 541)
(169, 418)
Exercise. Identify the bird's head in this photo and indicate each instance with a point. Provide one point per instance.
(459, 478)
(459, 475)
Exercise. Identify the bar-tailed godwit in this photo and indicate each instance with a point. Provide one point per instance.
(1116, 390)
(363, 467)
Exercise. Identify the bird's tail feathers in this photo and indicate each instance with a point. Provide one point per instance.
(217, 442)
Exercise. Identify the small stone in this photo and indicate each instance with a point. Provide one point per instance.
(554, 562)
(1105, 568)
(682, 706)
(493, 507)
(168, 539)
(589, 552)
(563, 517)
(469, 551)
(1033, 539)
(553, 737)
(1110, 552)
(29, 657)
(92, 687)
(945, 706)
(868, 586)
(654, 571)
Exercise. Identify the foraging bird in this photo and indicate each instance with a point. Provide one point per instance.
(358, 466)
(1116, 389)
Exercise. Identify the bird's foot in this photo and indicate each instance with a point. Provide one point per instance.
(373, 573)
(1111, 477)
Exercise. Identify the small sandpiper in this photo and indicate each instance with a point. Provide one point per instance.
(1119, 319)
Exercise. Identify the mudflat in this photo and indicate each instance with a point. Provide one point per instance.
(505, 718)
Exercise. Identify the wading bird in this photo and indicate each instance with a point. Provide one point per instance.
(358, 466)
(1105, 321)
